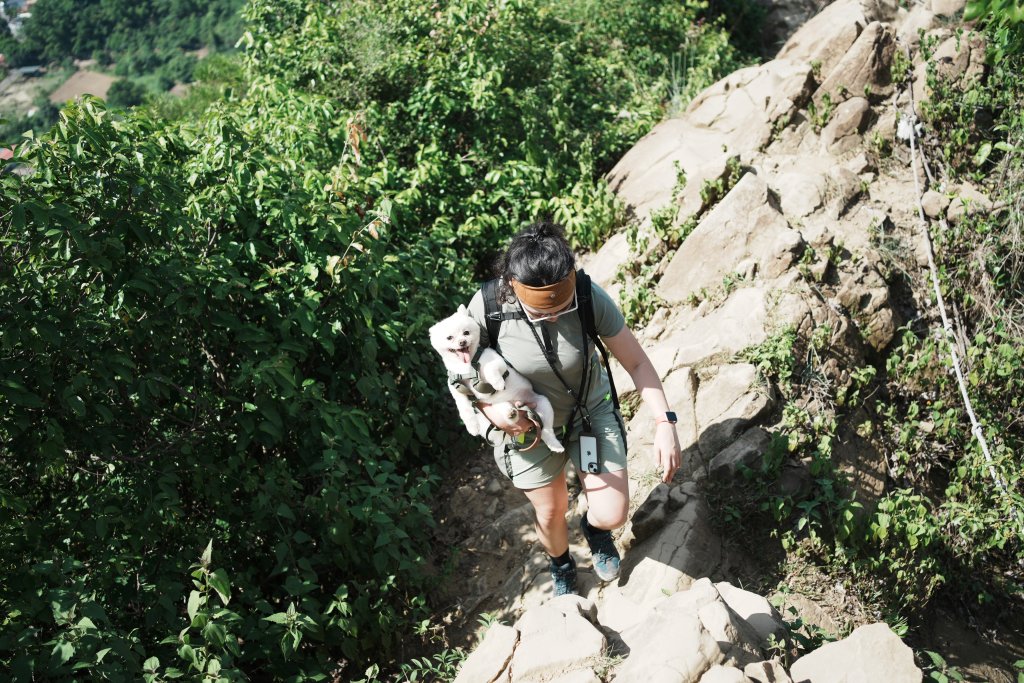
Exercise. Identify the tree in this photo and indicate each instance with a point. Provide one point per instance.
(126, 93)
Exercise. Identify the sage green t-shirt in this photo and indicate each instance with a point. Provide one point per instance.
(520, 349)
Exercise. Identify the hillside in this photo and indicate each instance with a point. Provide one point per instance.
(780, 271)
(226, 449)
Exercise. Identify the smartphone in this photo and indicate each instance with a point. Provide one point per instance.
(588, 454)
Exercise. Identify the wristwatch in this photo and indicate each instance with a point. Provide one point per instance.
(668, 417)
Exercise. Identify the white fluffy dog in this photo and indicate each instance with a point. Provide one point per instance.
(457, 339)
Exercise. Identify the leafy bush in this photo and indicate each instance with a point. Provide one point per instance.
(512, 108)
(205, 340)
(211, 324)
(125, 93)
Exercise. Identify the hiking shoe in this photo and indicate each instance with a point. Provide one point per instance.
(564, 577)
(602, 550)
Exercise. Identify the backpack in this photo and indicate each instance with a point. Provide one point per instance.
(585, 308)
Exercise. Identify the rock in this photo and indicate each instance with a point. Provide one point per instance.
(646, 175)
(794, 481)
(743, 225)
(745, 452)
(842, 133)
(722, 331)
(494, 487)
(934, 204)
(735, 637)
(847, 187)
(961, 57)
(671, 647)
(768, 671)
(491, 657)
(824, 40)
(866, 297)
(860, 163)
(870, 653)
(746, 103)
(755, 610)
(555, 638)
(670, 560)
(723, 674)
(727, 404)
(968, 201)
(686, 635)
(619, 613)
(919, 20)
(800, 194)
(603, 264)
(651, 515)
(864, 70)
(579, 676)
(947, 8)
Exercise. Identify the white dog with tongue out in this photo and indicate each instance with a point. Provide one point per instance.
(478, 374)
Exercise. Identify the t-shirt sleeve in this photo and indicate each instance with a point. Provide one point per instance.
(607, 317)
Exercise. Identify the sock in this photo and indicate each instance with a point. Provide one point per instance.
(561, 560)
(590, 530)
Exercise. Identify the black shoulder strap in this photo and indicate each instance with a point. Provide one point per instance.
(585, 301)
(493, 315)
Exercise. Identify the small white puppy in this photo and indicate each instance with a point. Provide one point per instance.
(488, 379)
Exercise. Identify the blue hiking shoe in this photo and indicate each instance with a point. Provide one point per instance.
(564, 577)
(602, 550)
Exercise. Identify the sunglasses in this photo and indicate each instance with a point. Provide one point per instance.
(536, 317)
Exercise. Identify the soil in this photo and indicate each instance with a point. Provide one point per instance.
(82, 83)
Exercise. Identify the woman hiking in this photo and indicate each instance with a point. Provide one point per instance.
(542, 336)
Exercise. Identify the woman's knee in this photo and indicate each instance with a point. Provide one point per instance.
(548, 514)
(607, 516)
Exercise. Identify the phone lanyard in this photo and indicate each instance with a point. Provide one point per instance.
(549, 356)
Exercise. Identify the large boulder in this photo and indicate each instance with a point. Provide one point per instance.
(556, 638)
(733, 116)
(863, 70)
(671, 557)
(489, 660)
(744, 226)
(870, 653)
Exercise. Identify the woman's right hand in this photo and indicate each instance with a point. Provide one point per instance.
(497, 416)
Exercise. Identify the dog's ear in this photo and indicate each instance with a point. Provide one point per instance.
(462, 309)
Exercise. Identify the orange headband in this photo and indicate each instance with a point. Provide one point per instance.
(548, 298)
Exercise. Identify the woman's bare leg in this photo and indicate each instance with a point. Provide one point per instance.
(607, 498)
(550, 503)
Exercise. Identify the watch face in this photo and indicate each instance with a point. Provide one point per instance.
(671, 417)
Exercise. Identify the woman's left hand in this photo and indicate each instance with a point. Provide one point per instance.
(666, 450)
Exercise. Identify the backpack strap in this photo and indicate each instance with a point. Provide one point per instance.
(493, 314)
(585, 302)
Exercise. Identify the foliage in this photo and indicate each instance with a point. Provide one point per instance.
(125, 93)
(553, 94)
(210, 320)
(42, 118)
(201, 340)
(139, 35)
(218, 77)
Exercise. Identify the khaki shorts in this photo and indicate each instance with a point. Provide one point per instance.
(539, 466)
